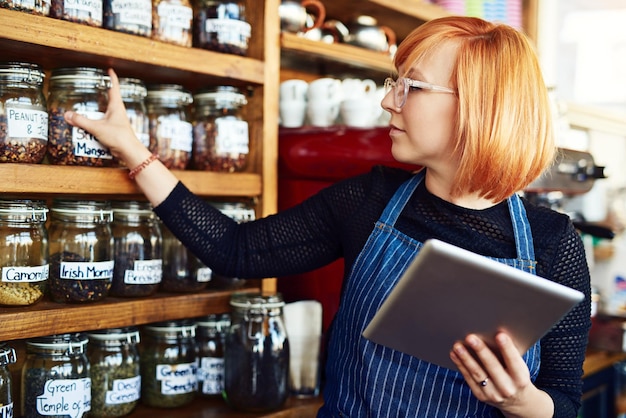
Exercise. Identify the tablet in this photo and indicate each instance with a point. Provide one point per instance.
(447, 293)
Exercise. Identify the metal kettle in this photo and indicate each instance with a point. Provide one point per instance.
(364, 31)
(293, 15)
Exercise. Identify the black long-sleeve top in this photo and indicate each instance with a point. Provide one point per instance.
(337, 221)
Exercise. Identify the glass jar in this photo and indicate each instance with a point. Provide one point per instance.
(55, 377)
(220, 25)
(83, 90)
(23, 113)
(169, 364)
(172, 21)
(134, 17)
(220, 135)
(7, 356)
(210, 339)
(256, 359)
(137, 241)
(182, 271)
(24, 253)
(81, 250)
(36, 7)
(134, 94)
(84, 12)
(170, 129)
(240, 212)
(115, 371)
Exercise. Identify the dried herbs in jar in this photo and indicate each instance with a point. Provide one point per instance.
(24, 253)
(23, 113)
(220, 135)
(115, 371)
(169, 364)
(138, 246)
(220, 25)
(36, 7)
(55, 377)
(170, 128)
(86, 12)
(129, 16)
(172, 21)
(85, 91)
(81, 250)
(7, 356)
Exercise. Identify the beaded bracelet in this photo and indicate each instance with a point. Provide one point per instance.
(133, 173)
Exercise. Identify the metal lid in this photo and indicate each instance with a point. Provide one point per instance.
(22, 72)
(72, 343)
(85, 77)
(257, 301)
(82, 210)
(23, 210)
(128, 335)
(132, 88)
(169, 94)
(221, 96)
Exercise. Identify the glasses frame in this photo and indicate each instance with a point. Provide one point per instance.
(407, 83)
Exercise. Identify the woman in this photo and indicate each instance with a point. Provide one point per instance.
(471, 108)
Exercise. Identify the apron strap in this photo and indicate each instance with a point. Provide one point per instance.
(400, 198)
(521, 228)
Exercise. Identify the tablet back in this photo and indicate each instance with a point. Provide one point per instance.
(448, 292)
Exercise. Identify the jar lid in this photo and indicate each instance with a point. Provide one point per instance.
(23, 210)
(72, 343)
(132, 88)
(7, 355)
(81, 76)
(22, 72)
(129, 335)
(184, 328)
(127, 208)
(83, 210)
(221, 96)
(170, 93)
(257, 301)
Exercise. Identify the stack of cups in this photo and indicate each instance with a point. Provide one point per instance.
(324, 98)
(293, 103)
(360, 107)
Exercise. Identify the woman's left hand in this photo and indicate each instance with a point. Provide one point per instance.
(501, 380)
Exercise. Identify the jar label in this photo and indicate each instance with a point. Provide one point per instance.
(177, 379)
(174, 18)
(232, 136)
(124, 391)
(211, 375)
(145, 272)
(28, 4)
(91, 8)
(6, 411)
(179, 132)
(229, 31)
(97, 270)
(133, 12)
(203, 275)
(26, 123)
(65, 397)
(25, 274)
(85, 144)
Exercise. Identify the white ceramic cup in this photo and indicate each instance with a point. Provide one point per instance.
(326, 88)
(293, 89)
(360, 113)
(322, 113)
(292, 113)
(355, 88)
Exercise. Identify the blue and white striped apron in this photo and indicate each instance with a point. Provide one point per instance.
(364, 379)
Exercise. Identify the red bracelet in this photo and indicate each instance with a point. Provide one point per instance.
(133, 173)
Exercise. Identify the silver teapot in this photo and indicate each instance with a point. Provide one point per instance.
(365, 32)
(293, 15)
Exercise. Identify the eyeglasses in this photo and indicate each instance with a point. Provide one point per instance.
(402, 85)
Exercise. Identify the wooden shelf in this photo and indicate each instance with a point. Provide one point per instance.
(47, 317)
(38, 179)
(56, 43)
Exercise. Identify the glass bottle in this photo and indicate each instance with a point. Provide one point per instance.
(182, 271)
(134, 94)
(170, 128)
(220, 25)
(24, 253)
(134, 17)
(115, 371)
(55, 377)
(36, 7)
(210, 338)
(172, 21)
(220, 135)
(23, 113)
(7, 356)
(137, 246)
(256, 359)
(169, 364)
(83, 12)
(81, 250)
(83, 90)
